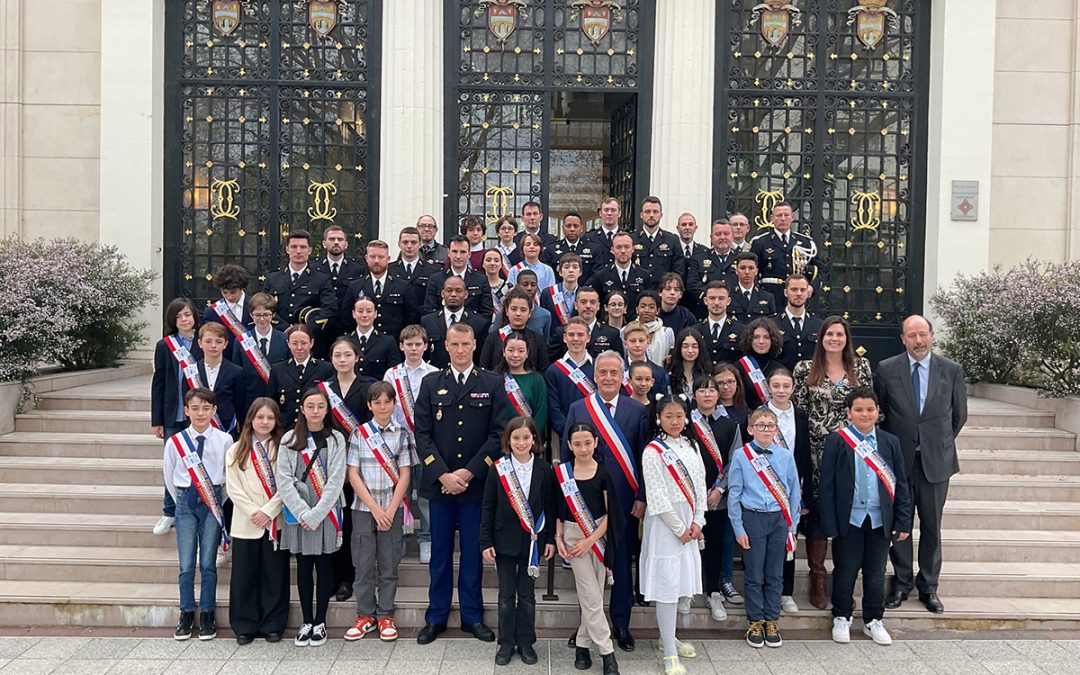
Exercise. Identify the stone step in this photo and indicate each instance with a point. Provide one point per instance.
(1020, 462)
(1008, 545)
(88, 529)
(80, 604)
(80, 499)
(133, 401)
(66, 444)
(81, 471)
(1023, 516)
(984, 412)
(1015, 438)
(1013, 488)
(85, 421)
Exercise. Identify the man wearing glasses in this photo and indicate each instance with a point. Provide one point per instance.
(431, 251)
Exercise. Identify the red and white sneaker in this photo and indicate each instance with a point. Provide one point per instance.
(387, 629)
(361, 627)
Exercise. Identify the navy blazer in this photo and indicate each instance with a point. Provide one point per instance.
(230, 393)
(499, 524)
(253, 382)
(562, 393)
(631, 417)
(164, 394)
(356, 398)
(837, 487)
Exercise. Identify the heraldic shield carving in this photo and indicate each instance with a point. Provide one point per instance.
(322, 16)
(225, 15)
(775, 19)
(502, 18)
(871, 19)
(596, 17)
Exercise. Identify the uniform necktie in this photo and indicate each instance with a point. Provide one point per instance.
(408, 269)
(453, 319)
(378, 288)
(746, 294)
(785, 239)
(916, 386)
(363, 342)
(716, 332)
(334, 269)
(622, 275)
(797, 323)
(300, 370)
(610, 236)
(264, 345)
(688, 252)
(461, 379)
(295, 276)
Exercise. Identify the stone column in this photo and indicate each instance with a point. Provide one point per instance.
(1072, 233)
(411, 126)
(682, 119)
(10, 116)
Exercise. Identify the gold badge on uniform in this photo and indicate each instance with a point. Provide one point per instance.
(429, 459)
(442, 392)
(706, 262)
(438, 415)
(283, 399)
(770, 250)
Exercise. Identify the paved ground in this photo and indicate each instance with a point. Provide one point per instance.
(74, 655)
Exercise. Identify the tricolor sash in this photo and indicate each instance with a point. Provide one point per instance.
(260, 462)
(676, 468)
(318, 482)
(200, 480)
(613, 436)
(190, 370)
(341, 412)
(516, 396)
(504, 331)
(562, 309)
(574, 373)
(399, 377)
(377, 444)
(750, 365)
(532, 526)
(578, 508)
(874, 459)
(247, 340)
(626, 379)
(708, 438)
(775, 487)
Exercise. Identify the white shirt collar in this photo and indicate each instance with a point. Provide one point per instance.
(269, 334)
(367, 334)
(713, 322)
(299, 271)
(791, 316)
(613, 402)
(447, 313)
(303, 363)
(330, 261)
(381, 279)
(782, 413)
(623, 269)
(458, 274)
(457, 372)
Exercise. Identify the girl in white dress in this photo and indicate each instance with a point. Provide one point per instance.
(670, 548)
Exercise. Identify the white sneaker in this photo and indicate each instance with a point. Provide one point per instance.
(425, 552)
(787, 605)
(224, 558)
(841, 630)
(164, 525)
(716, 604)
(684, 605)
(876, 631)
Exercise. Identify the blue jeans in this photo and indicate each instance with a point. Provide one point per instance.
(168, 506)
(764, 562)
(197, 534)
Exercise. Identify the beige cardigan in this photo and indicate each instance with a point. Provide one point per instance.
(247, 494)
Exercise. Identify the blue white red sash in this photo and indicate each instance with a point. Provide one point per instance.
(578, 508)
(750, 365)
(190, 370)
(264, 470)
(384, 456)
(247, 340)
(708, 438)
(399, 377)
(200, 480)
(516, 396)
(340, 411)
(613, 436)
(677, 469)
(516, 495)
(504, 331)
(626, 379)
(874, 459)
(558, 299)
(317, 474)
(574, 373)
(775, 486)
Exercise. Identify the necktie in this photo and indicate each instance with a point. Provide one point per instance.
(264, 345)
(688, 252)
(610, 236)
(797, 323)
(461, 379)
(746, 294)
(916, 385)
(363, 342)
(192, 495)
(622, 275)
(453, 319)
(716, 332)
(334, 269)
(200, 442)
(295, 276)
(408, 269)
(300, 371)
(378, 288)
(610, 407)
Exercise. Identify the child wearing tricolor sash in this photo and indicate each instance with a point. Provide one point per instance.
(864, 503)
(194, 470)
(675, 513)
(525, 388)
(310, 474)
(761, 344)
(763, 504)
(517, 532)
(259, 586)
(587, 513)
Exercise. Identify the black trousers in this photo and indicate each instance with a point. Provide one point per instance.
(862, 548)
(259, 587)
(308, 566)
(517, 601)
(344, 567)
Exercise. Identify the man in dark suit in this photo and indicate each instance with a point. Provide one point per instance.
(748, 301)
(631, 419)
(863, 502)
(721, 331)
(622, 274)
(711, 264)
(432, 252)
(453, 310)
(289, 379)
(390, 294)
(411, 268)
(478, 292)
(782, 251)
(269, 341)
(924, 400)
(340, 269)
(656, 250)
(376, 350)
(798, 326)
(532, 220)
(458, 430)
(230, 280)
(304, 295)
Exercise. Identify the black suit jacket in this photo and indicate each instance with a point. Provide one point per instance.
(705, 267)
(310, 300)
(278, 351)
(837, 488)
(286, 386)
(417, 282)
(378, 355)
(762, 304)
(348, 272)
(606, 280)
(499, 524)
(164, 394)
(659, 255)
(435, 326)
(727, 347)
(477, 293)
(459, 427)
(393, 306)
(592, 254)
(230, 393)
(356, 398)
(797, 346)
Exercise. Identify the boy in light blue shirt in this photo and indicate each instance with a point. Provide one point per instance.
(760, 473)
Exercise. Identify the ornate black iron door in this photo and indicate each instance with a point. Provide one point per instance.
(623, 164)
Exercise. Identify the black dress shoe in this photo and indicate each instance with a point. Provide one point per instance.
(528, 654)
(572, 642)
(611, 666)
(344, 592)
(429, 632)
(502, 657)
(932, 602)
(273, 637)
(582, 659)
(245, 639)
(895, 599)
(640, 600)
(624, 639)
(479, 631)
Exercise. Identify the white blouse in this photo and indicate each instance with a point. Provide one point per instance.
(663, 494)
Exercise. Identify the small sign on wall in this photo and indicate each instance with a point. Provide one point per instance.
(965, 200)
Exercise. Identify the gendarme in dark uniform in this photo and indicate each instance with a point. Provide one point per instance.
(798, 344)
(745, 310)
(609, 279)
(306, 297)
(592, 255)
(722, 339)
(286, 385)
(775, 259)
(657, 253)
(706, 267)
(392, 306)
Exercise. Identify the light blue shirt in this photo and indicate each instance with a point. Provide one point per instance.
(747, 491)
(924, 377)
(545, 276)
(866, 501)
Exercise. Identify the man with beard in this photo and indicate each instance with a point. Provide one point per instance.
(798, 326)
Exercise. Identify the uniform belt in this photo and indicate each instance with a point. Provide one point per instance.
(772, 280)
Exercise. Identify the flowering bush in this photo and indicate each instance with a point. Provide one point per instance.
(1019, 326)
(67, 302)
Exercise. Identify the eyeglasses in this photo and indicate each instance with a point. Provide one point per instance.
(262, 315)
(764, 426)
(725, 383)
